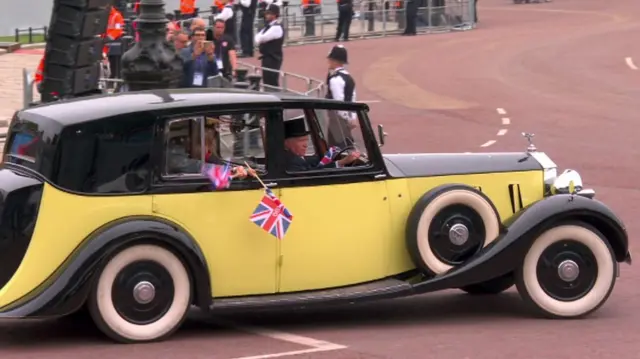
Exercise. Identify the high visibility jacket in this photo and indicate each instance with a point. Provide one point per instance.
(115, 27)
(219, 4)
(307, 2)
(398, 4)
(136, 7)
(187, 6)
(39, 72)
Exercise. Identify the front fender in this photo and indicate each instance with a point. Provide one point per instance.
(67, 289)
(508, 251)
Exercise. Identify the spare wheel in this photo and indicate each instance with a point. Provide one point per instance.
(448, 225)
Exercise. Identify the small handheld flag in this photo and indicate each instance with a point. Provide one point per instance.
(219, 175)
(328, 157)
(271, 215)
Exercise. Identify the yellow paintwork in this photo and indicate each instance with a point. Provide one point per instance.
(337, 235)
(242, 258)
(340, 235)
(64, 220)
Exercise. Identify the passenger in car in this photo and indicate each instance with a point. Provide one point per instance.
(296, 143)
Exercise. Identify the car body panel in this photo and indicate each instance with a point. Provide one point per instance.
(406, 192)
(53, 241)
(332, 225)
(241, 259)
(442, 164)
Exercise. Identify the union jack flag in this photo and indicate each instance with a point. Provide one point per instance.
(219, 175)
(328, 157)
(271, 215)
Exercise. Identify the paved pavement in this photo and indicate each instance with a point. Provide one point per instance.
(558, 69)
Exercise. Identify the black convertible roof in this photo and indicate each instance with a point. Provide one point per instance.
(84, 109)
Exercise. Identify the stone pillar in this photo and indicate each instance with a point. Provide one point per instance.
(152, 63)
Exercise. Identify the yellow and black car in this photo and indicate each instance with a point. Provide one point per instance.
(104, 206)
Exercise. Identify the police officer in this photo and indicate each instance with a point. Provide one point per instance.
(228, 15)
(248, 9)
(270, 40)
(412, 15)
(341, 87)
(345, 15)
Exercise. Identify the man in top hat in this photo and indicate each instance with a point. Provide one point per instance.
(270, 40)
(296, 143)
(341, 87)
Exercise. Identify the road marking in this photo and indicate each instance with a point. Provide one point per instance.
(315, 344)
(630, 63)
(501, 111)
(488, 143)
(502, 132)
(506, 121)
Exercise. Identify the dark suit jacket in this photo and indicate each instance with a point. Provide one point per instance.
(206, 67)
(297, 163)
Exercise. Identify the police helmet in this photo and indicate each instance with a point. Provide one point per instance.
(338, 53)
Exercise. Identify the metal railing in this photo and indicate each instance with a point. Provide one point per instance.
(289, 82)
(29, 33)
(371, 19)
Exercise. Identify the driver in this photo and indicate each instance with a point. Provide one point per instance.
(296, 143)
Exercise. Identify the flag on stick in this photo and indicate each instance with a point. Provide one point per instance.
(219, 175)
(328, 157)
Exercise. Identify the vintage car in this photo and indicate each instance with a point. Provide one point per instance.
(105, 208)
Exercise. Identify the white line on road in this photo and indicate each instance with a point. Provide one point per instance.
(315, 344)
(630, 63)
(506, 121)
(501, 111)
(488, 143)
(502, 132)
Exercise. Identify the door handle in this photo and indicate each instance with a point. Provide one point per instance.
(271, 184)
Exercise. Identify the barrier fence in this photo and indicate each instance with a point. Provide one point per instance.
(33, 34)
(371, 19)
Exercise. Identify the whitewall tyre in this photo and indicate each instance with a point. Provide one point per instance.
(448, 225)
(142, 294)
(569, 271)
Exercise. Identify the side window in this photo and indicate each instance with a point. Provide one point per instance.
(319, 140)
(217, 138)
(108, 156)
(341, 129)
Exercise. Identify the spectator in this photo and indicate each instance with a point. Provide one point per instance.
(228, 15)
(197, 22)
(225, 50)
(180, 40)
(248, 9)
(196, 34)
(200, 62)
(411, 14)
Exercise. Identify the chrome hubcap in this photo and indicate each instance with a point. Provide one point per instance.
(568, 270)
(144, 292)
(458, 234)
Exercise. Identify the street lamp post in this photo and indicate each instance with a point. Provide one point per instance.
(152, 63)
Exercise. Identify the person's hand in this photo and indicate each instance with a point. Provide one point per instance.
(198, 47)
(349, 159)
(239, 172)
(209, 49)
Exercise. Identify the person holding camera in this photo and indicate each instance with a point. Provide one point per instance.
(200, 62)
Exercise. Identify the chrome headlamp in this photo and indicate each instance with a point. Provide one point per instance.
(568, 182)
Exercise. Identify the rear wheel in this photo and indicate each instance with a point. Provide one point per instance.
(142, 294)
(493, 286)
(569, 271)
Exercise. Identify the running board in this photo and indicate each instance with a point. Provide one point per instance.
(380, 289)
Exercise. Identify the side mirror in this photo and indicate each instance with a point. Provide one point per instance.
(381, 136)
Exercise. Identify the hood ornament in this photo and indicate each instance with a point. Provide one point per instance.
(529, 136)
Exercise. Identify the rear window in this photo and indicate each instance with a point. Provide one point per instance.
(24, 145)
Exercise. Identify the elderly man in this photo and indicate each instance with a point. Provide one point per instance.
(296, 143)
(180, 40)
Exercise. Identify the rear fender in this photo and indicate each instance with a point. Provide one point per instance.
(67, 289)
(507, 252)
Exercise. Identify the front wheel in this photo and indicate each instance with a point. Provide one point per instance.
(569, 271)
(142, 294)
